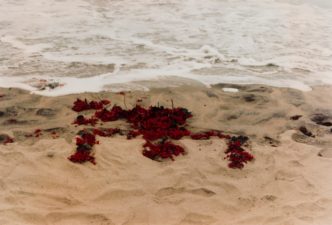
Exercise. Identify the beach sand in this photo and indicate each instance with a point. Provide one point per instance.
(288, 183)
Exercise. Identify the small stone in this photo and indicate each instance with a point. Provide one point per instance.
(306, 132)
(249, 98)
(296, 117)
(327, 123)
(321, 119)
(326, 153)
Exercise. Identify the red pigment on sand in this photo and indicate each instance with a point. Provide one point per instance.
(158, 127)
(162, 150)
(236, 154)
(82, 105)
(7, 139)
(37, 132)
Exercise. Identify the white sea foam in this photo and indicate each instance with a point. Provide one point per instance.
(233, 90)
(273, 42)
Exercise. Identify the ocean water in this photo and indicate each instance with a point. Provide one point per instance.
(91, 45)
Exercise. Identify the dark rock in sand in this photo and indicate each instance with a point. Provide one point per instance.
(232, 117)
(326, 153)
(327, 124)
(321, 119)
(272, 65)
(5, 139)
(296, 117)
(45, 112)
(271, 141)
(2, 113)
(242, 139)
(249, 98)
(306, 132)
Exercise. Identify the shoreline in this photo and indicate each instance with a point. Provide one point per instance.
(286, 184)
(60, 86)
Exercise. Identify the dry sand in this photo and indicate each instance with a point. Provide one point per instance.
(288, 183)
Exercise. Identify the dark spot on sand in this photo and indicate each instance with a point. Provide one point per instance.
(242, 139)
(327, 124)
(15, 122)
(55, 129)
(326, 153)
(5, 139)
(271, 141)
(249, 98)
(321, 119)
(50, 154)
(306, 132)
(272, 65)
(2, 113)
(256, 88)
(269, 197)
(45, 112)
(296, 117)
(232, 117)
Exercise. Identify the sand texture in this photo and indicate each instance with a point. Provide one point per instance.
(289, 183)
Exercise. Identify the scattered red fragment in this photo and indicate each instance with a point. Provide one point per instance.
(238, 158)
(114, 114)
(81, 120)
(80, 105)
(106, 132)
(37, 132)
(157, 125)
(236, 154)
(207, 134)
(5, 139)
(81, 157)
(162, 150)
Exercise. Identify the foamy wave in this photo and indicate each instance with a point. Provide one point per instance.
(270, 41)
(73, 85)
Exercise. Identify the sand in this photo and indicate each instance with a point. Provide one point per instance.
(288, 183)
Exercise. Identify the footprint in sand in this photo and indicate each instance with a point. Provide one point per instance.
(326, 153)
(177, 195)
(46, 112)
(197, 219)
